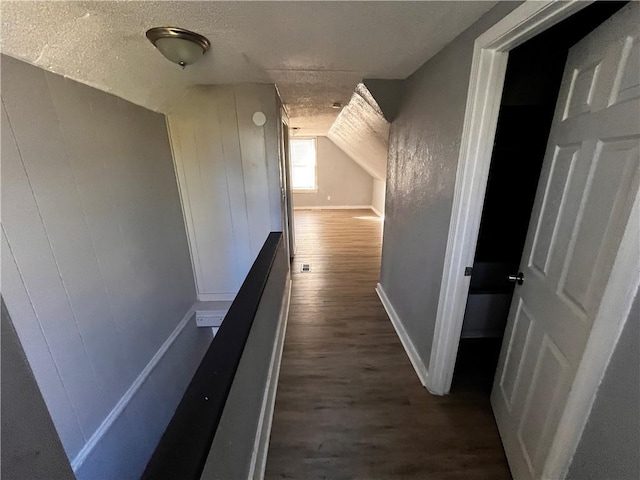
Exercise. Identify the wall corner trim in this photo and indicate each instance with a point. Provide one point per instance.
(410, 349)
(117, 410)
(261, 446)
(377, 212)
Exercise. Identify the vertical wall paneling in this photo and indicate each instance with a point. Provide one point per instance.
(31, 242)
(254, 166)
(228, 172)
(95, 266)
(226, 117)
(181, 167)
(31, 446)
(99, 205)
(46, 369)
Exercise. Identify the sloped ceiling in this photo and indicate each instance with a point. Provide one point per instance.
(362, 132)
(316, 52)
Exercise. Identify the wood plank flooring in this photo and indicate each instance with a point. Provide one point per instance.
(349, 404)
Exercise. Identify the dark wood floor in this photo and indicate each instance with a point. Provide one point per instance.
(349, 404)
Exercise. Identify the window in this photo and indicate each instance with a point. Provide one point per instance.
(303, 164)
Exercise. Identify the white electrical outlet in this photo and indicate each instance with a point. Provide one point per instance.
(328, 197)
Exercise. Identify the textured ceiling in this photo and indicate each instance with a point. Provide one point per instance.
(361, 131)
(316, 52)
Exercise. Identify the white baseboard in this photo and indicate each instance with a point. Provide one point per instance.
(261, 445)
(124, 401)
(376, 211)
(343, 207)
(335, 207)
(412, 353)
(217, 297)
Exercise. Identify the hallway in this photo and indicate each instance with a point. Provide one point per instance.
(349, 404)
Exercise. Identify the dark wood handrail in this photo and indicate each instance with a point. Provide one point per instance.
(185, 444)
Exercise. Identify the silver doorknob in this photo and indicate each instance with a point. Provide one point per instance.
(519, 278)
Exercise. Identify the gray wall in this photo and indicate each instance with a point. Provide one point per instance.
(424, 144)
(232, 449)
(229, 176)
(610, 444)
(339, 177)
(31, 448)
(95, 265)
(387, 94)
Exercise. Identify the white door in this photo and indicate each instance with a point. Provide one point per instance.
(587, 188)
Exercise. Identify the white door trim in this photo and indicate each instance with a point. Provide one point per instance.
(485, 90)
(490, 55)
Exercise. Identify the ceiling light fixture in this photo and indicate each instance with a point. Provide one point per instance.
(179, 45)
(336, 105)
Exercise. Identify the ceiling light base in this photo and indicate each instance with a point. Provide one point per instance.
(179, 45)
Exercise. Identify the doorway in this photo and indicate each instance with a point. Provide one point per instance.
(532, 82)
(581, 283)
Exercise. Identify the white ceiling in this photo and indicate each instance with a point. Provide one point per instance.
(361, 131)
(316, 52)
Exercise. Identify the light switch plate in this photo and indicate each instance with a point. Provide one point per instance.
(209, 319)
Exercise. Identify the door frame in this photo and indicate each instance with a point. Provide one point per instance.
(490, 56)
(285, 179)
(287, 174)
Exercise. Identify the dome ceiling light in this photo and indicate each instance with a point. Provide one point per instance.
(179, 45)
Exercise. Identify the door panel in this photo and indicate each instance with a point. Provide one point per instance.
(588, 183)
(614, 163)
(627, 83)
(563, 163)
(518, 343)
(542, 403)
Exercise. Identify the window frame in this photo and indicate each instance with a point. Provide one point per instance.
(315, 166)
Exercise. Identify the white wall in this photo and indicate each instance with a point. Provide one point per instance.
(228, 173)
(338, 177)
(378, 196)
(95, 265)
